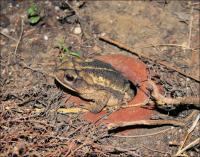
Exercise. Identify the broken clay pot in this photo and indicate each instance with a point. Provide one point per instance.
(136, 72)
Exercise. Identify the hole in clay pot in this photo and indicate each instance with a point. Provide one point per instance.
(134, 88)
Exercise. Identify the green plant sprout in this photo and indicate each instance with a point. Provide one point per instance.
(33, 14)
(60, 44)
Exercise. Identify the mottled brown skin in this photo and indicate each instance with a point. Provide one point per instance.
(95, 81)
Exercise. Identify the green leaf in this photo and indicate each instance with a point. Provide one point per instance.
(77, 54)
(34, 19)
(33, 10)
(65, 49)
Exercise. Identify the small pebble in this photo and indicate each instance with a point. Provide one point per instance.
(77, 30)
(5, 30)
(57, 8)
(12, 30)
(10, 5)
(187, 79)
(3, 72)
(103, 34)
(46, 37)
(191, 153)
(46, 2)
(96, 49)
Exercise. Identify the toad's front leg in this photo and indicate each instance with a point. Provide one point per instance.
(100, 101)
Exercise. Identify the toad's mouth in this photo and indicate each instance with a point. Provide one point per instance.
(65, 85)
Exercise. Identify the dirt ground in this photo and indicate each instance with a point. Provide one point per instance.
(164, 32)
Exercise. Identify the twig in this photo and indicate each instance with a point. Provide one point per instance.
(190, 26)
(8, 36)
(190, 117)
(145, 135)
(192, 4)
(109, 148)
(194, 124)
(192, 144)
(79, 109)
(87, 140)
(154, 150)
(123, 46)
(189, 132)
(145, 102)
(131, 50)
(77, 129)
(24, 65)
(23, 120)
(161, 100)
(174, 45)
(113, 126)
(71, 145)
(84, 143)
(20, 37)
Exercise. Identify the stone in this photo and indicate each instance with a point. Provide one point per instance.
(77, 30)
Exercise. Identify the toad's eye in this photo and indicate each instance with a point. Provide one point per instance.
(69, 77)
